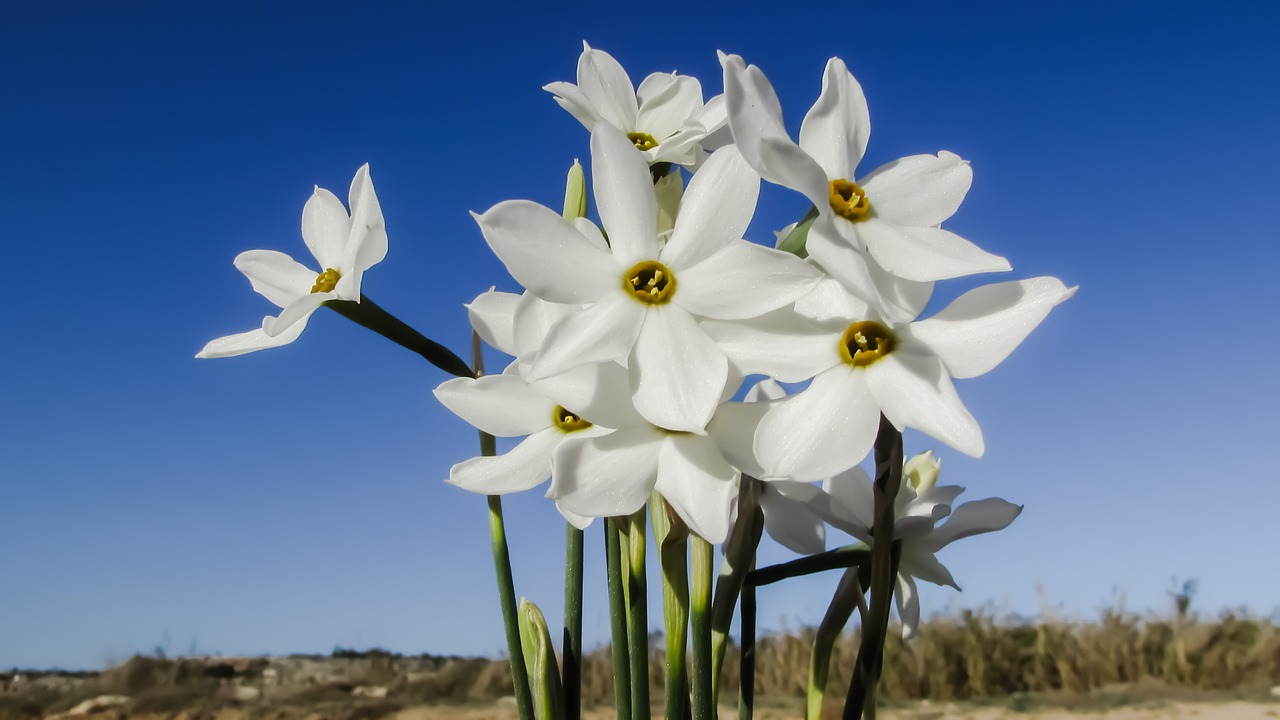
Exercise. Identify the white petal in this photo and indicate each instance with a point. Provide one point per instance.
(502, 405)
(606, 86)
(766, 389)
(716, 210)
(367, 245)
(606, 476)
(837, 127)
(979, 330)
(700, 486)
(276, 276)
(901, 300)
(591, 232)
(755, 117)
(546, 254)
(733, 428)
(492, 314)
(851, 499)
(533, 319)
(582, 522)
(569, 97)
(297, 311)
(667, 100)
(844, 261)
(780, 344)
(602, 332)
(916, 391)
(790, 521)
(624, 196)
(828, 428)
(908, 600)
(252, 341)
(524, 466)
(920, 190)
(325, 228)
(677, 372)
(598, 392)
(925, 253)
(744, 280)
(975, 518)
(829, 300)
(919, 562)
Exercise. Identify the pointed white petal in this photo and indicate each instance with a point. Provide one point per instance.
(827, 429)
(829, 300)
(975, 518)
(846, 262)
(297, 311)
(602, 332)
(733, 428)
(522, 467)
(598, 392)
(916, 391)
(251, 341)
(533, 319)
(502, 405)
(920, 190)
(700, 486)
(325, 228)
(492, 314)
(276, 276)
(569, 97)
(837, 127)
(677, 372)
(979, 330)
(367, 245)
(908, 600)
(582, 522)
(790, 520)
(667, 100)
(851, 499)
(744, 280)
(918, 561)
(546, 254)
(925, 253)
(779, 344)
(715, 211)
(624, 196)
(606, 476)
(606, 86)
(755, 117)
(591, 232)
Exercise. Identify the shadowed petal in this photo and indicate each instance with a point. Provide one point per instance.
(522, 467)
(492, 314)
(276, 276)
(502, 405)
(920, 190)
(606, 476)
(924, 253)
(975, 518)
(677, 372)
(827, 429)
(326, 228)
(744, 280)
(251, 341)
(698, 483)
(916, 391)
(837, 127)
(601, 332)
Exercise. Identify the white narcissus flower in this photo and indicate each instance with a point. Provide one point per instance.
(344, 246)
(863, 365)
(665, 118)
(920, 505)
(893, 213)
(643, 298)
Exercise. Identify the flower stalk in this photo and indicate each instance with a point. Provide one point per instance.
(747, 672)
(638, 615)
(848, 596)
(614, 565)
(370, 315)
(701, 553)
(739, 558)
(572, 649)
(672, 539)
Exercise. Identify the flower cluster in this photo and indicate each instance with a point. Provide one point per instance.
(632, 337)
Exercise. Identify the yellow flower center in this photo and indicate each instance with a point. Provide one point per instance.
(643, 141)
(326, 281)
(567, 421)
(849, 201)
(866, 342)
(650, 282)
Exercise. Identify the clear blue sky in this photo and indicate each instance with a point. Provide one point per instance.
(292, 500)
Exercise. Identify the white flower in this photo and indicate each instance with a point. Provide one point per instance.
(893, 213)
(863, 365)
(643, 297)
(665, 119)
(849, 505)
(344, 246)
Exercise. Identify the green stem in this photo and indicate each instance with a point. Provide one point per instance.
(638, 617)
(739, 558)
(502, 567)
(671, 537)
(847, 597)
(368, 314)
(572, 672)
(843, 557)
(747, 673)
(861, 700)
(618, 617)
(702, 553)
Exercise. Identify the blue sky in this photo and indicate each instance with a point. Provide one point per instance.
(292, 500)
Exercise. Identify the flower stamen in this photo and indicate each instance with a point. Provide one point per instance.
(865, 342)
(849, 201)
(567, 421)
(326, 281)
(650, 282)
(642, 141)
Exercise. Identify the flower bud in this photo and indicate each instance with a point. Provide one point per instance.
(540, 662)
(922, 471)
(575, 193)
